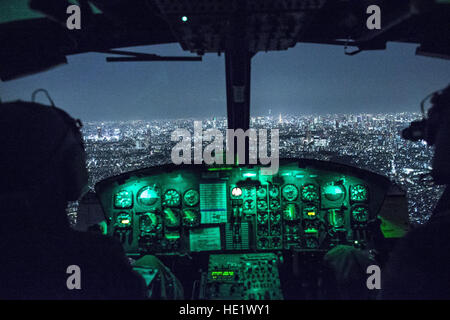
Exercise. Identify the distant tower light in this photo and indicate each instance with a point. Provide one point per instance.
(184, 19)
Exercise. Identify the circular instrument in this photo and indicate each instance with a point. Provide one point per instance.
(261, 193)
(171, 198)
(261, 205)
(273, 191)
(290, 212)
(360, 214)
(249, 205)
(171, 217)
(334, 192)
(274, 204)
(290, 192)
(359, 193)
(191, 218)
(148, 196)
(123, 199)
(191, 197)
(310, 192)
(123, 220)
(236, 192)
(150, 222)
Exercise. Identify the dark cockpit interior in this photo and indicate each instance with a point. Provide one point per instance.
(234, 231)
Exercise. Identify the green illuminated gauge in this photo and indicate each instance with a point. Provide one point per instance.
(171, 198)
(334, 192)
(336, 218)
(290, 192)
(275, 217)
(310, 192)
(274, 204)
(123, 199)
(191, 218)
(261, 193)
(311, 243)
(148, 196)
(275, 242)
(261, 205)
(275, 229)
(263, 243)
(263, 230)
(191, 197)
(171, 218)
(310, 213)
(249, 205)
(249, 192)
(150, 222)
(123, 220)
(290, 212)
(359, 193)
(273, 191)
(263, 217)
(236, 192)
(360, 214)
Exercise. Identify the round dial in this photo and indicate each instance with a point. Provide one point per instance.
(275, 217)
(261, 205)
(148, 196)
(249, 192)
(191, 218)
(310, 213)
(236, 192)
(359, 193)
(263, 230)
(191, 197)
(336, 218)
(360, 214)
(261, 193)
(123, 220)
(290, 192)
(249, 205)
(275, 229)
(310, 192)
(290, 212)
(171, 217)
(262, 243)
(171, 198)
(273, 191)
(276, 242)
(263, 217)
(123, 199)
(274, 204)
(334, 192)
(150, 222)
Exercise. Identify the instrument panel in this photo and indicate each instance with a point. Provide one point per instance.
(307, 205)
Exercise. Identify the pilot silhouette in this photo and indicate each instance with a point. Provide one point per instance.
(42, 168)
(419, 267)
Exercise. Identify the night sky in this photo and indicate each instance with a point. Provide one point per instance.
(308, 79)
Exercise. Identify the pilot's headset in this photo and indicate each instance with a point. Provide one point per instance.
(68, 152)
(434, 128)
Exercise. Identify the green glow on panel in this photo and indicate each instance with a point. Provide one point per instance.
(249, 175)
(220, 169)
